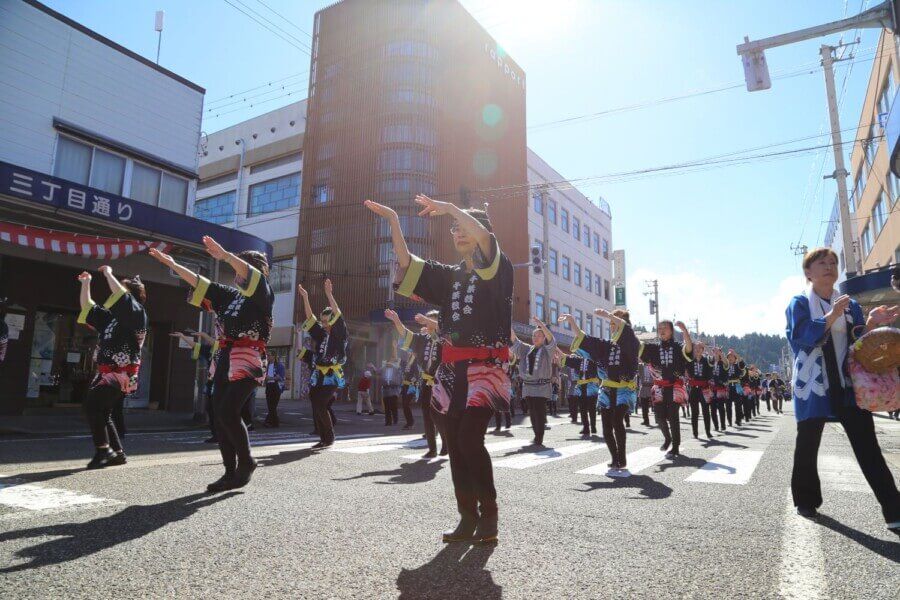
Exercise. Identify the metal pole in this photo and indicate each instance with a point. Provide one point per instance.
(545, 254)
(240, 183)
(840, 173)
(656, 302)
(158, 46)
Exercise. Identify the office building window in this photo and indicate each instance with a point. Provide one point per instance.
(539, 306)
(606, 289)
(281, 275)
(565, 267)
(605, 249)
(598, 284)
(576, 228)
(553, 262)
(577, 274)
(216, 209)
(554, 311)
(321, 193)
(564, 220)
(596, 244)
(567, 310)
(538, 203)
(579, 318)
(551, 211)
(894, 184)
(589, 324)
(866, 240)
(274, 195)
(587, 236)
(878, 214)
(588, 281)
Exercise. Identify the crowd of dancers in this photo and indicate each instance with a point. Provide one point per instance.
(456, 367)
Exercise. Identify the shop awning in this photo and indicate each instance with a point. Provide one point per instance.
(85, 246)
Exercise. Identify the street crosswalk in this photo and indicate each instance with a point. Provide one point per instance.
(18, 494)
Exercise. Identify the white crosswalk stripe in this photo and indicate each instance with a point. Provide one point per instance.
(734, 467)
(35, 497)
(407, 444)
(527, 461)
(637, 461)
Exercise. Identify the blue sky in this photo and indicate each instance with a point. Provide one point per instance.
(718, 240)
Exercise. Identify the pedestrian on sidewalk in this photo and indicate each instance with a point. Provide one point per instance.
(245, 314)
(391, 377)
(536, 367)
(275, 377)
(821, 325)
(362, 393)
(122, 325)
(325, 361)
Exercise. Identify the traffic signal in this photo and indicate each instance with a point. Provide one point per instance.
(652, 306)
(537, 261)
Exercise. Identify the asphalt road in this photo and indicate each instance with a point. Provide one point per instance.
(364, 520)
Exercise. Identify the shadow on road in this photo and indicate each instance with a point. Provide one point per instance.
(721, 442)
(40, 476)
(283, 458)
(458, 571)
(747, 435)
(889, 550)
(681, 462)
(419, 471)
(649, 488)
(77, 540)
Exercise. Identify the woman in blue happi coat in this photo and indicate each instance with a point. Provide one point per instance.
(821, 325)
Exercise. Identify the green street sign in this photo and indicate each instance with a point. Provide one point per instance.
(620, 296)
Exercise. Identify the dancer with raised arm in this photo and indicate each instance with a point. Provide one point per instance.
(618, 356)
(426, 347)
(122, 324)
(326, 359)
(670, 359)
(822, 324)
(475, 300)
(536, 367)
(244, 312)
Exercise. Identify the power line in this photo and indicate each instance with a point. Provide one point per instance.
(285, 19)
(263, 25)
(259, 87)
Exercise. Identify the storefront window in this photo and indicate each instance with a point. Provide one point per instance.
(173, 195)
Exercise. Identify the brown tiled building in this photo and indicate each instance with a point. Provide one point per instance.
(406, 97)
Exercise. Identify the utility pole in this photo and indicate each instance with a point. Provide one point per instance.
(696, 323)
(756, 74)
(545, 243)
(654, 302)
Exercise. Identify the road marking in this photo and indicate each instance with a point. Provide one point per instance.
(734, 467)
(384, 447)
(436, 459)
(637, 461)
(33, 497)
(802, 575)
(526, 461)
(841, 473)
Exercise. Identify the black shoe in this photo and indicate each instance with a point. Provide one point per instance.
(486, 531)
(671, 454)
(101, 459)
(585, 432)
(211, 440)
(118, 459)
(430, 454)
(665, 445)
(497, 429)
(243, 474)
(444, 452)
(319, 445)
(464, 532)
(593, 430)
(807, 513)
(225, 482)
(613, 465)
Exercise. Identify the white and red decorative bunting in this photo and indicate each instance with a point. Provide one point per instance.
(85, 246)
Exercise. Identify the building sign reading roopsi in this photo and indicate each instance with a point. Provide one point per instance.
(496, 55)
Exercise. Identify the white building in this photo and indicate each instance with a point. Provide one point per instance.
(98, 160)
(250, 179)
(579, 253)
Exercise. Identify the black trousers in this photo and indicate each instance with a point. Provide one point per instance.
(434, 421)
(698, 402)
(717, 410)
(273, 395)
(321, 397)
(669, 423)
(777, 402)
(573, 408)
(587, 406)
(537, 412)
(613, 420)
(470, 463)
(99, 406)
(749, 406)
(229, 400)
(408, 399)
(737, 401)
(390, 410)
(210, 411)
(645, 410)
(860, 428)
(499, 417)
(768, 398)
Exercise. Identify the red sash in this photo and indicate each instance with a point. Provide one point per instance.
(131, 370)
(453, 354)
(226, 342)
(700, 383)
(667, 384)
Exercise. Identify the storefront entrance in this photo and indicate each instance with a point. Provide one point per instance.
(61, 360)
